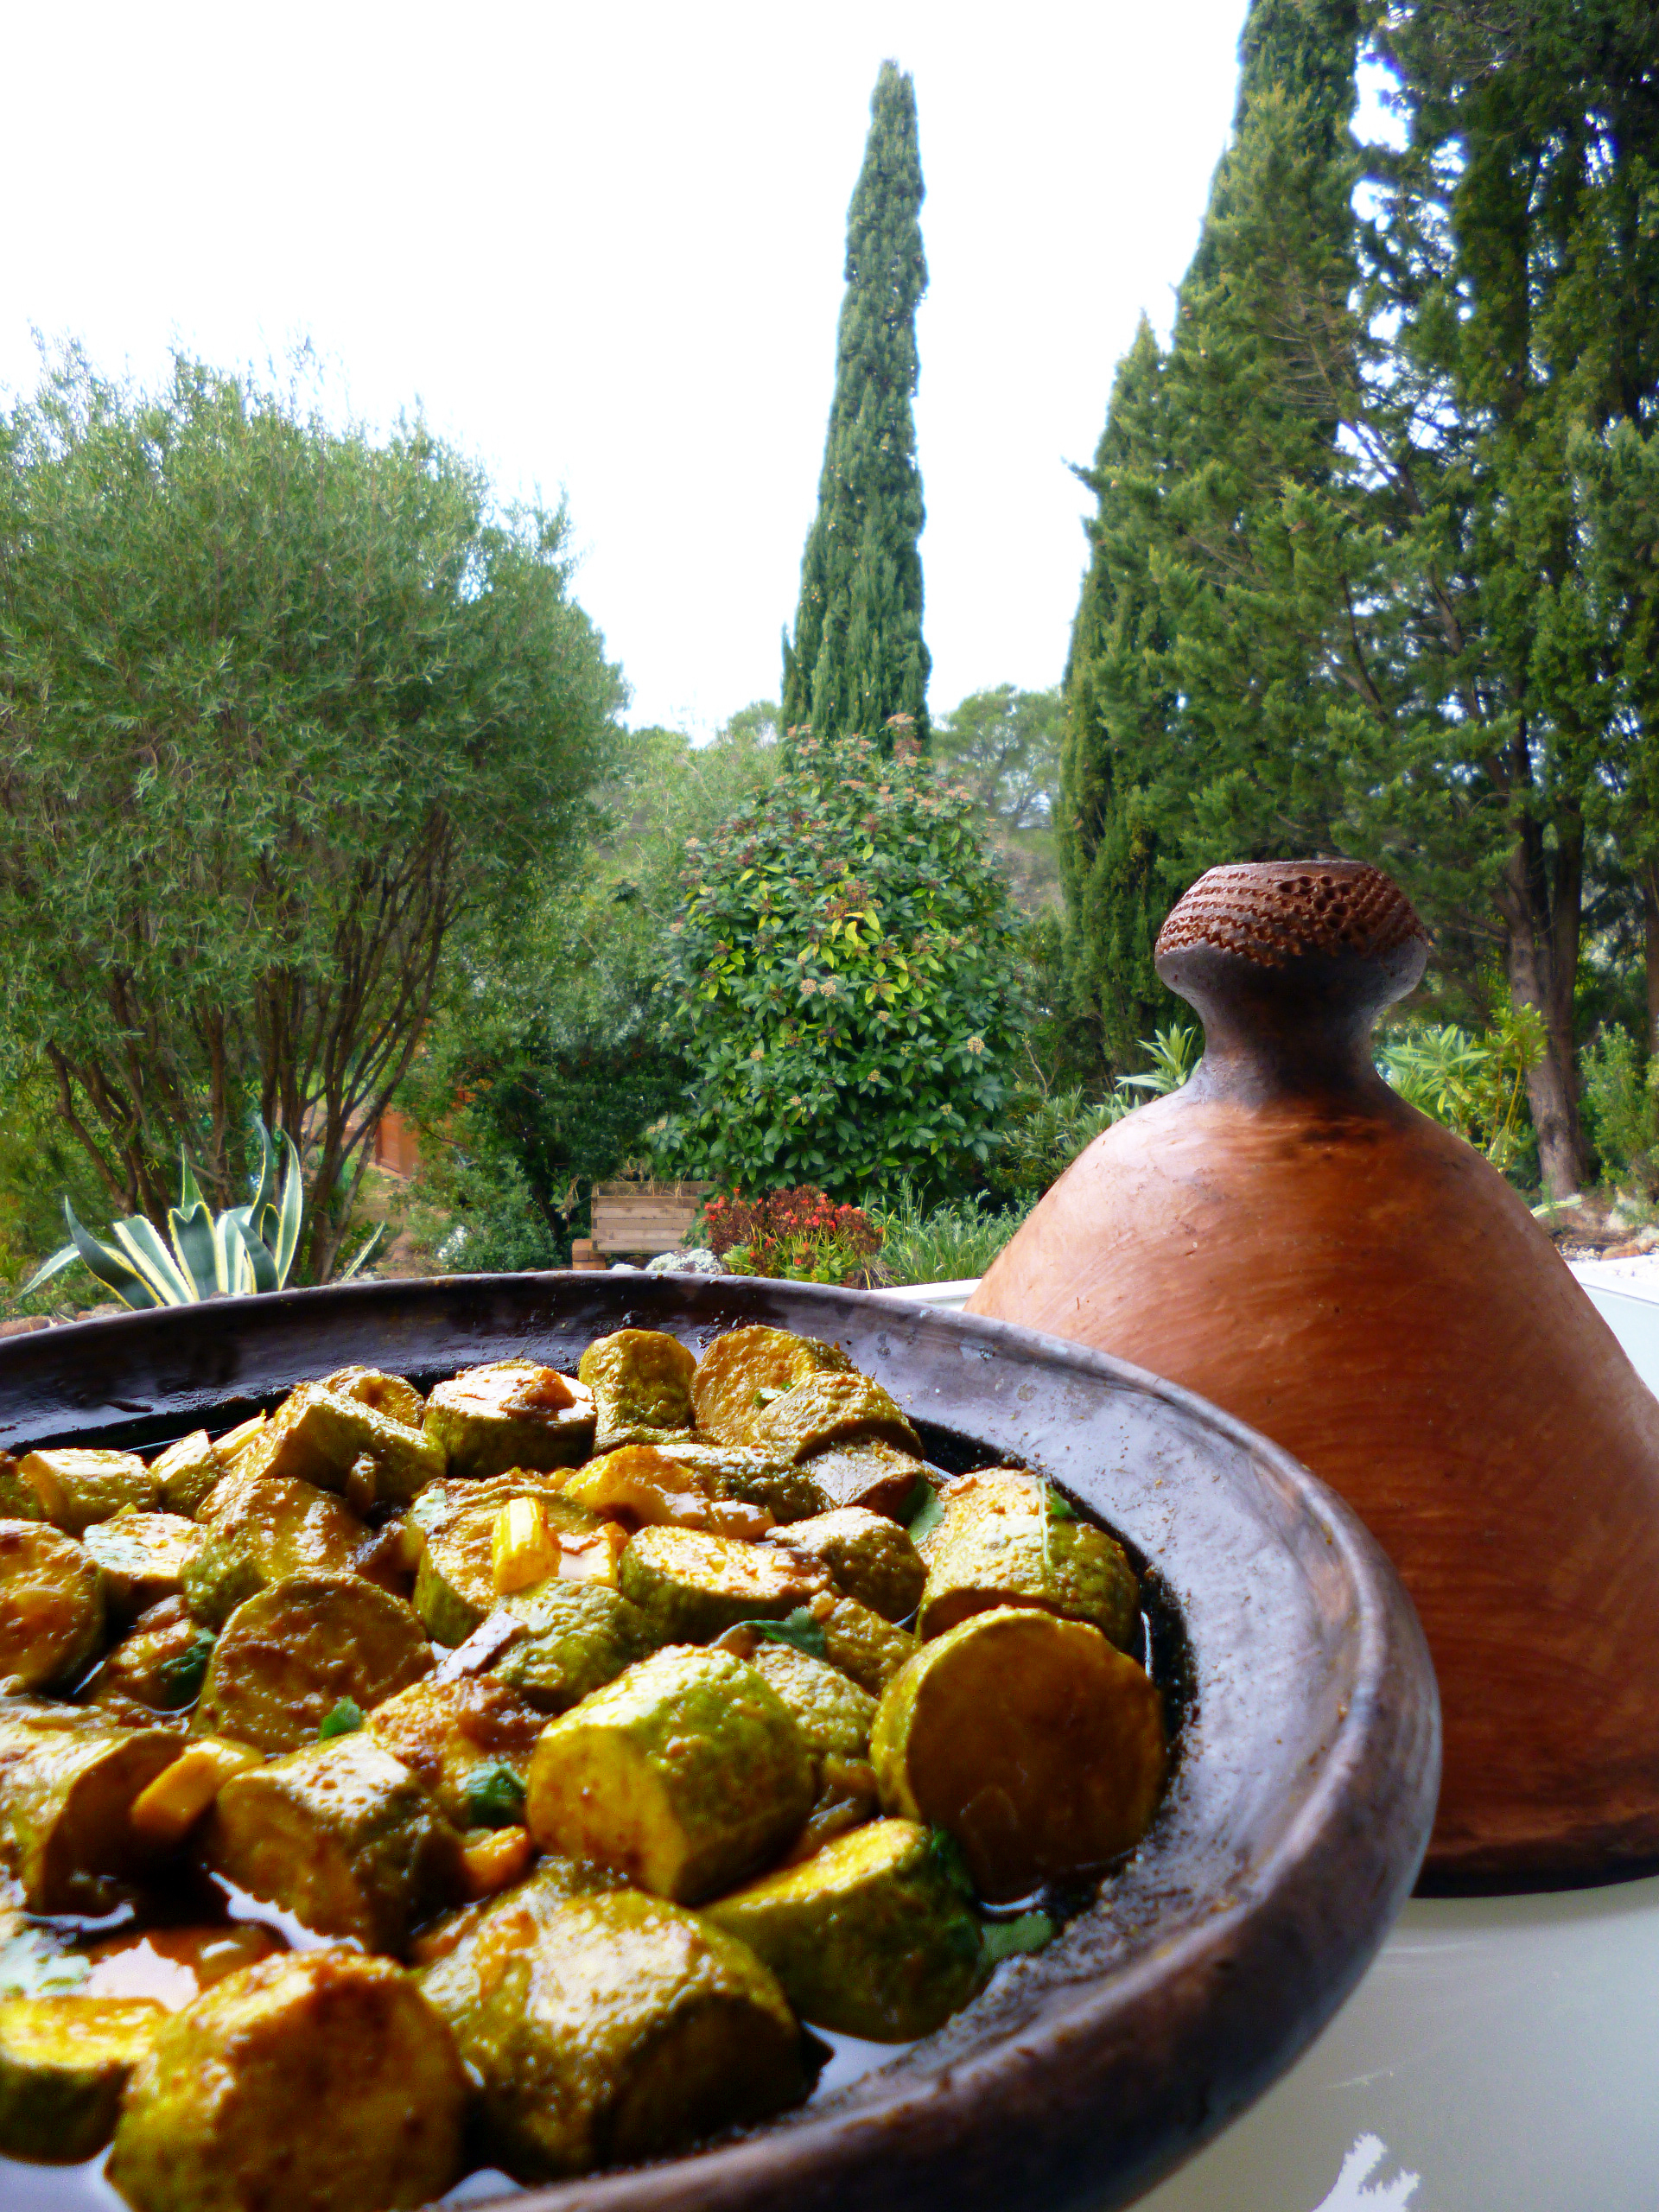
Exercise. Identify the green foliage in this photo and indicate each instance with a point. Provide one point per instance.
(1175, 1053)
(40, 1165)
(282, 704)
(1476, 1085)
(547, 1059)
(244, 1249)
(949, 1243)
(1621, 1103)
(857, 660)
(1371, 566)
(1005, 746)
(845, 984)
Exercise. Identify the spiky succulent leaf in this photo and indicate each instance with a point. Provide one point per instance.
(290, 1211)
(143, 1250)
(112, 1269)
(264, 1184)
(65, 1256)
(195, 1243)
(256, 1256)
(370, 1247)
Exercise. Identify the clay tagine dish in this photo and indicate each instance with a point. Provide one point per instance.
(1304, 1724)
(1287, 1237)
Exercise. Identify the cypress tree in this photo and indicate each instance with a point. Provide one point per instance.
(1516, 258)
(1119, 872)
(1389, 524)
(857, 658)
(1197, 682)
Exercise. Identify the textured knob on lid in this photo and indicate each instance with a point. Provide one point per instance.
(1271, 912)
(1287, 1237)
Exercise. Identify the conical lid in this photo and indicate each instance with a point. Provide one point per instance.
(1289, 1238)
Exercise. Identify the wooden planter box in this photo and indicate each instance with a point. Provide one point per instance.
(648, 1218)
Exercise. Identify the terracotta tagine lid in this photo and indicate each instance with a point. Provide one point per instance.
(1287, 1237)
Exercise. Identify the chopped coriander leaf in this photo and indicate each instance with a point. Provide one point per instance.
(1005, 1939)
(344, 1720)
(946, 1853)
(495, 1797)
(928, 1519)
(799, 1630)
(180, 1677)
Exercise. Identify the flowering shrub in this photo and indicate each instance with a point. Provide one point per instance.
(800, 1234)
(844, 982)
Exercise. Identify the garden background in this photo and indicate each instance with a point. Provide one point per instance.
(320, 803)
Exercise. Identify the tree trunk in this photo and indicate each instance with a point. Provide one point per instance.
(1651, 928)
(1542, 898)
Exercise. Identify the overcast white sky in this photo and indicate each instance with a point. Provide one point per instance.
(602, 248)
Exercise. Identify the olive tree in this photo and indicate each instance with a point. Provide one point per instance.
(280, 702)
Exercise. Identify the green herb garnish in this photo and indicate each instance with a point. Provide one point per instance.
(1006, 1939)
(946, 1853)
(344, 1721)
(180, 1677)
(929, 1516)
(800, 1631)
(494, 1796)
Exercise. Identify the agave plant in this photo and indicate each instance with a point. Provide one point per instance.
(243, 1249)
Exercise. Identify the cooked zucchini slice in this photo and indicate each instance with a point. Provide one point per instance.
(51, 1607)
(1001, 1542)
(691, 1585)
(646, 1487)
(826, 1409)
(186, 1472)
(869, 1557)
(513, 1413)
(611, 2028)
(454, 1584)
(577, 1637)
(323, 2081)
(739, 1471)
(1031, 1739)
(683, 1775)
(641, 1383)
(742, 1372)
(156, 1667)
(144, 1556)
(342, 1836)
(77, 1487)
(263, 1528)
(19, 1500)
(64, 2062)
(65, 1799)
(388, 1394)
(549, 1882)
(290, 1654)
(872, 1473)
(322, 1436)
(833, 1714)
(869, 1937)
(864, 1645)
(467, 1743)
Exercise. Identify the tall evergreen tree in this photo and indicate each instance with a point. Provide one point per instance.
(1391, 514)
(1515, 258)
(1198, 677)
(857, 657)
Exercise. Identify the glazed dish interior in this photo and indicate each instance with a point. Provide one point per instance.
(763, 1570)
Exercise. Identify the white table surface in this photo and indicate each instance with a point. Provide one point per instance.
(1502, 2053)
